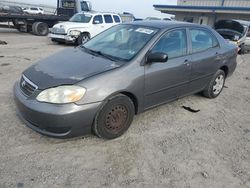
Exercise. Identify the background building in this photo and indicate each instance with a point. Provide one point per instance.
(207, 11)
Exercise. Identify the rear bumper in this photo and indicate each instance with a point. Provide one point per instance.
(59, 121)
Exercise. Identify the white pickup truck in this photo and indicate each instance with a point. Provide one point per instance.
(83, 26)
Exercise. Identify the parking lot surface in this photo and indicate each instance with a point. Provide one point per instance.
(164, 147)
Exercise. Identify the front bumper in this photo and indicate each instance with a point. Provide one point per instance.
(59, 121)
(63, 38)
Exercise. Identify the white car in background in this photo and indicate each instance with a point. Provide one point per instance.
(83, 26)
(33, 10)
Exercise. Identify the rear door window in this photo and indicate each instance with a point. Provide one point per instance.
(108, 18)
(202, 40)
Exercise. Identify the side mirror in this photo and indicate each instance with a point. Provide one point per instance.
(157, 57)
(96, 22)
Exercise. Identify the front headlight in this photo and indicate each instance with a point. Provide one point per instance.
(62, 94)
(74, 33)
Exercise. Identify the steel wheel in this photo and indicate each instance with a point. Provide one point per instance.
(218, 84)
(116, 119)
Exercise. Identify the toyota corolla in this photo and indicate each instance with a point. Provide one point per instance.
(99, 86)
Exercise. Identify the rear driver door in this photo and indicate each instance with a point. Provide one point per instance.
(206, 57)
(98, 25)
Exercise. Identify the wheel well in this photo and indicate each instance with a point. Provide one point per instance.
(225, 69)
(86, 33)
(133, 98)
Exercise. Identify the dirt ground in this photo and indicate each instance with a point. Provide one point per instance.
(164, 147)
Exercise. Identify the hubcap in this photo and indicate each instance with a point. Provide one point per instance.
(116, 118)
(218, 84)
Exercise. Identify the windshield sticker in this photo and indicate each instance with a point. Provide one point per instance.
(144, 30)
(87, 15)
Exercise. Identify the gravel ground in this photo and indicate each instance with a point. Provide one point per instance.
(164, 147)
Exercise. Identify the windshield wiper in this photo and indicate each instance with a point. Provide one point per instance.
(93, 52)
(106, 56)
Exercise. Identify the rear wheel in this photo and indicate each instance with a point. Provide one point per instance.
(114, 118)
(216, 85)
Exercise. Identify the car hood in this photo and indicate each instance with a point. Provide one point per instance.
(70, 25)
(68, 67)
(231, 25)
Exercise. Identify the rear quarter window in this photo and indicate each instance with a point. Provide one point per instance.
(117, 19)
(108, 18)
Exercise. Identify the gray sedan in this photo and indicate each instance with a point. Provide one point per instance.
(99, 87)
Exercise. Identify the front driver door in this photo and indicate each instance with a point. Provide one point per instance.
(164, 81)
(98, 25)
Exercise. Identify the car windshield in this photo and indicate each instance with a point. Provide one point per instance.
(83, 18)
(121, 42)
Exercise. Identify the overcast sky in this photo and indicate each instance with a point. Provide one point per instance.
(140, 8)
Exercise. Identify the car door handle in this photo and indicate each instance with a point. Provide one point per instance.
(217, 56)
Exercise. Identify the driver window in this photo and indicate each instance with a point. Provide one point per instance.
(174, 43)
(98, 19)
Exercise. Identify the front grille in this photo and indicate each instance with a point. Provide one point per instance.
(59, 31)
(27, 86)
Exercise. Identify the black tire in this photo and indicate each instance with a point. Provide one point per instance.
(34, 28)
(242, 49)
(114, 118)
(210, 91)
(81, 38)
(40, 28)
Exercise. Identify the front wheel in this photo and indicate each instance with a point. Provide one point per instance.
(114, 118)
(83, 38)
(242, 49)
(216, 85)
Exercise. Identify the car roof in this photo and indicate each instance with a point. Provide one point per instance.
(162, 24)
(95, 13)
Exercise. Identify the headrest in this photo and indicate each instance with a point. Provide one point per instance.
(201, 38)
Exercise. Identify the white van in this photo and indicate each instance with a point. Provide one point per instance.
(83, 26)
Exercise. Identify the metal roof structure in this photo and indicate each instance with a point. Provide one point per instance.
(172, 9)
